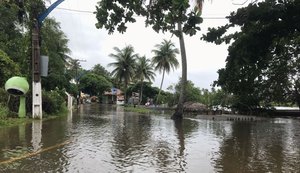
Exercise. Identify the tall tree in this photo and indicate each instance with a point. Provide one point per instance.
(54, 44)
(144, 71)
(164, 59)
(100, 70)
(175, 16)
(263, 61)
(124, 67)
(13, 40)
(94, 84)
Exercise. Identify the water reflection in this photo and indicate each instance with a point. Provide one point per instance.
(36, 134)
(101, 138)
(130, 140)
(260, 147)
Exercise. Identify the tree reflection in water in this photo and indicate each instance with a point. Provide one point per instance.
(260, 147)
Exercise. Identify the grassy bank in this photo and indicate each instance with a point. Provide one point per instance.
(9, 122)
(138, 109)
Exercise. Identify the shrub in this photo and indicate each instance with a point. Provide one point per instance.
(3, 96)
(3, 112)
(9, 104)
(53, 101)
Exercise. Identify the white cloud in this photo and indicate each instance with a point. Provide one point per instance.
(94, 45)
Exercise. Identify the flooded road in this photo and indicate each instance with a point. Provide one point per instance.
(98, 139)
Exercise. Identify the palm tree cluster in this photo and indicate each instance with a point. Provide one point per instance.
(131, 67)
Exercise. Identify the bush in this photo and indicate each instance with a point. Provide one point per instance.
(53, 101)
(3, 96)
(9, 104)
(3, 112)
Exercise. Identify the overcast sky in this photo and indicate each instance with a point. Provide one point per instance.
(88, 43)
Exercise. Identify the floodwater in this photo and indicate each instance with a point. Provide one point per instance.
(98, 139)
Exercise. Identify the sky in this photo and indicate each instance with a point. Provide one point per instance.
(93, 45)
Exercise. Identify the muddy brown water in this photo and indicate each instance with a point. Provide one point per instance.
(99, 138)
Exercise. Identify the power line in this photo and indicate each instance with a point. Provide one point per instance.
(90, 12)
(74, 10)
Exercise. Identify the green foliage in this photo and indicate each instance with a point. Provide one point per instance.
(4, 96)
(193, 94)
(263, 61)
(124, 66)
(98, 69)
(15, 51)
(8, 68)
(94, 84)
(54, 44)
(34, 8)
(165, 56)
(211, 98)
(161, 15)
(3, 112)
(149, 92)
(11, 37)
(72, 89)
(174, 16)
(163, 98)
(138, 109)
(144, 69)
(53, 101)
(165, 59)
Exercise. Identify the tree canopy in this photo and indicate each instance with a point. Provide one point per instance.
(8, 68)
(54, 44)
(161, 15)
(263, 63)
(94, 84)
(164, 59)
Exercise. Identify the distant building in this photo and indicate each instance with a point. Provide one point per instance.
(115, 96)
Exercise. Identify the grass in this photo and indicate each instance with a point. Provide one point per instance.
(9, 122)
(138, 109)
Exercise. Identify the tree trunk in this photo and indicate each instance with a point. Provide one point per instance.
(162, 81)
(125, 93)
(141, 92)
(178, 114)
(297, 97)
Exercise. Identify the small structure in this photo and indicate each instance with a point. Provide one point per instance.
(115, 96)
(195, 107)
(18, 86)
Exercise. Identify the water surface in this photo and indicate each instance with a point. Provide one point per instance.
(99, 138)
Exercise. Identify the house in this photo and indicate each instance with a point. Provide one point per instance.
(115, 96)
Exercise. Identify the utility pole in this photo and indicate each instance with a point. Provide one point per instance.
(36, 71)
(36, 77)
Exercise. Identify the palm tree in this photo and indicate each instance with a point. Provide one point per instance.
(165, 59)
(144, 71)
(124, 67)
(179, 109)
